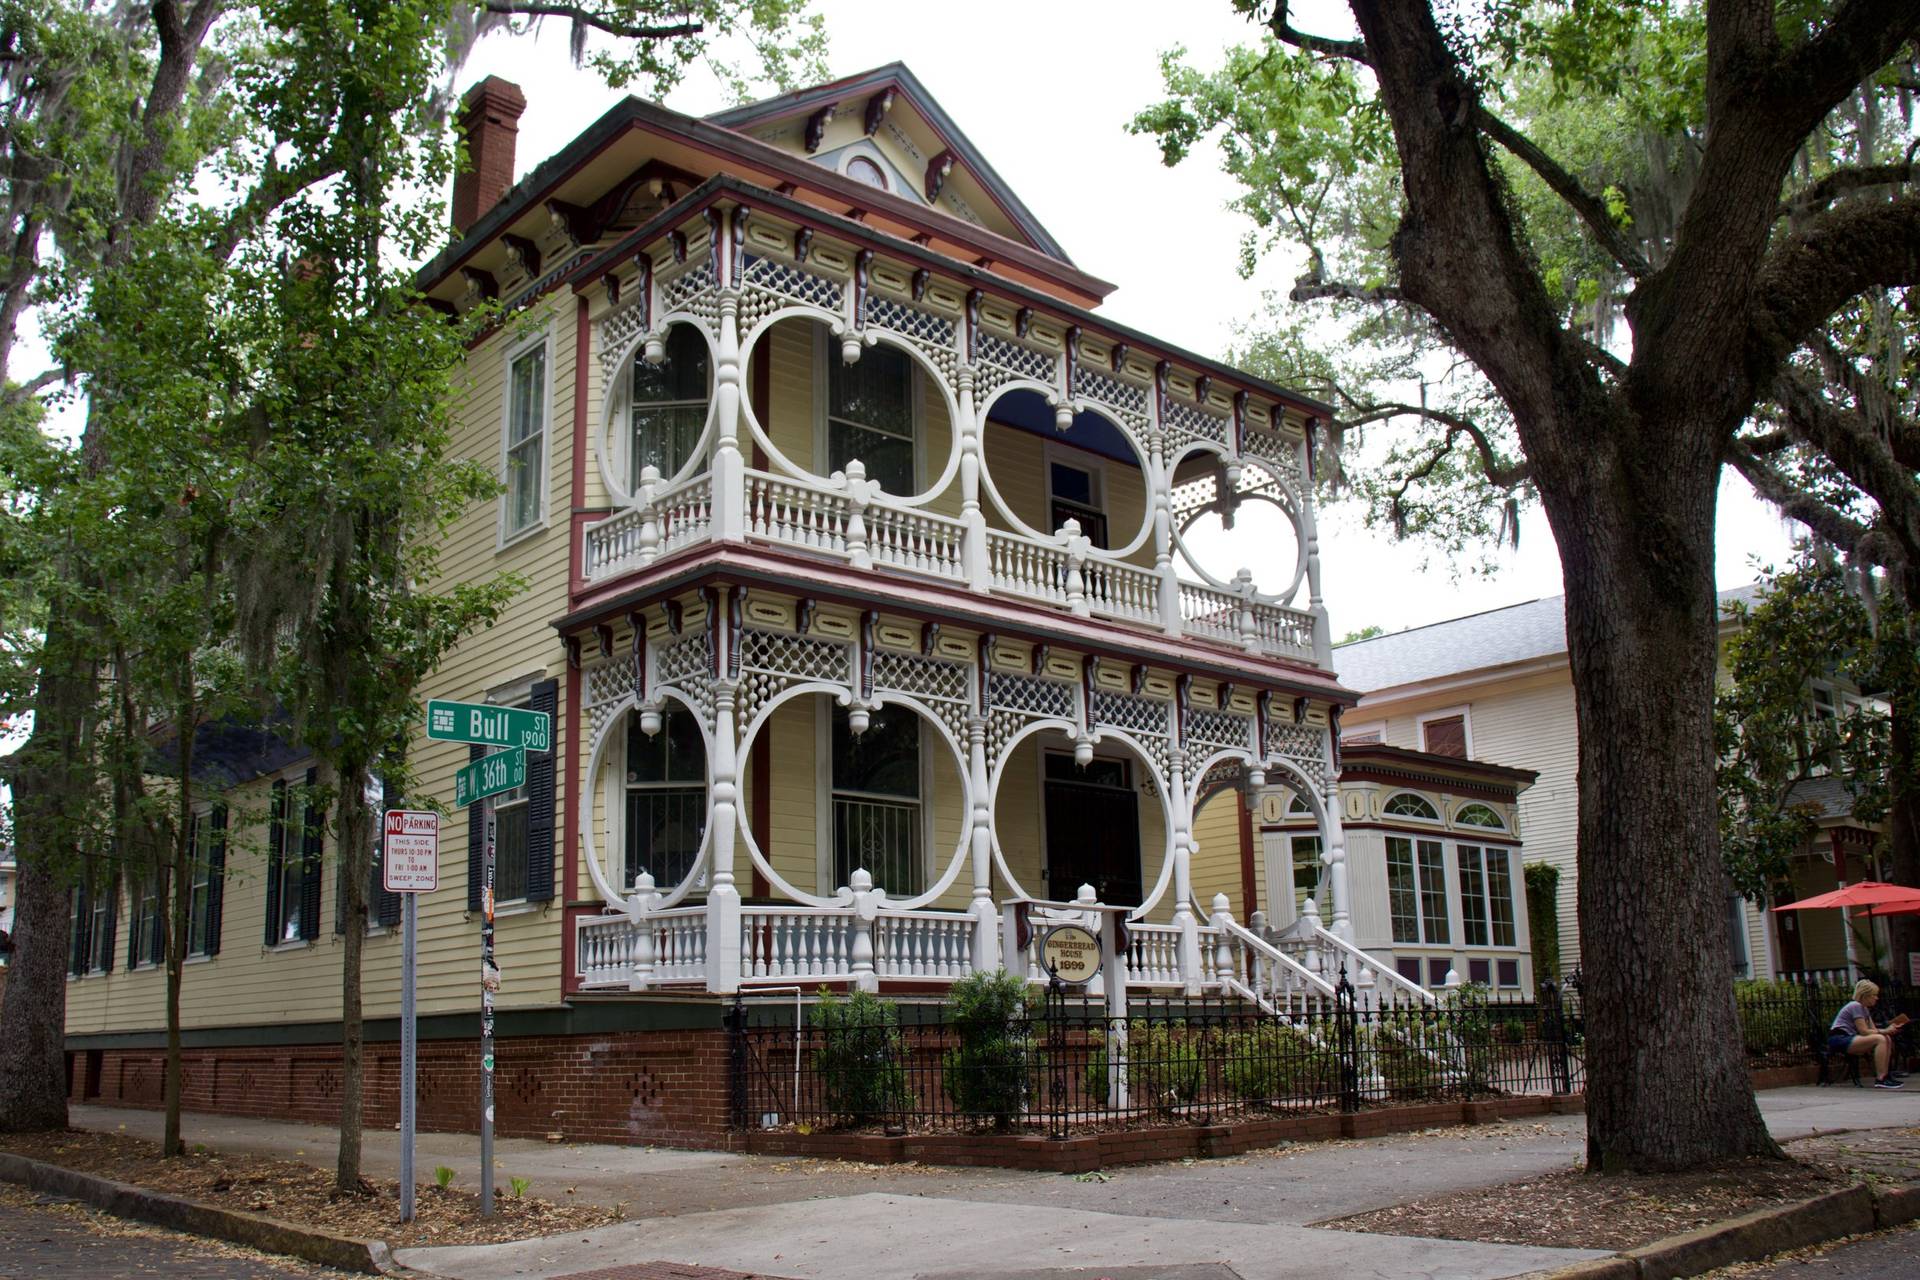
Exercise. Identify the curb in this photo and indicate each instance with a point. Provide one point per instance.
(343, 1253)
(1754, 1236)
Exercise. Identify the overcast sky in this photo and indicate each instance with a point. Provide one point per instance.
(1045, 91)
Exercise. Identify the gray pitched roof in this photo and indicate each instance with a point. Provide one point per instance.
(1477, 642)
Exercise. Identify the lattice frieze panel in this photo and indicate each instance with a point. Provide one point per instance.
(999, 362)
(942, 685)
(1014, 700)
(1146, 719)
(696, 291)
(1186, 422)
(607, 684)
(1225, 774)
(618, 329)
(771, 662)
(687, 665)
(1214, 730)
(770, 285)
(1124, 400)
(931, 334)
(1300, 743)
(1276, 451)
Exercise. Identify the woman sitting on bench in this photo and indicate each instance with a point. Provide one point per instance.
(1853, 1033)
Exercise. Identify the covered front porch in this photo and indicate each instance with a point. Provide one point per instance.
(857, 797)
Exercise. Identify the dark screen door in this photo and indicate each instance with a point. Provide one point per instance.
(1093, 831)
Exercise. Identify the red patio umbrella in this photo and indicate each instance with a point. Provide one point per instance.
(1896, 909)
(1867, 893)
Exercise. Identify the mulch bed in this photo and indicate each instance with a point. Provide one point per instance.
(1572, 1210)
(293, 1191)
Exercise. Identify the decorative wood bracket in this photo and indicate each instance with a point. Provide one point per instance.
(877, 107)
(802, 243)
(817, 126)
(937, 170)
(604, 635)
(929, 639)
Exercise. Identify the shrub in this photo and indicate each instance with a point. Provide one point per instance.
(1513, 1031)
(443, 1177)
(858, 1060)
(985, 1074)
(1272, 1061)
(1165, 1065)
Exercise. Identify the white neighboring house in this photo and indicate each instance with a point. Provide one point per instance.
(8, 871)
(1497, 687)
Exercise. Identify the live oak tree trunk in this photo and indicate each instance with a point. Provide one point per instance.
(1666, 1069)
(1903, 767)
(49, 793)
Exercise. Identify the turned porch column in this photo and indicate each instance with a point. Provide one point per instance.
(986, 937)
(1191, 974)
(973, 553)
(723, 898)
(729, 468)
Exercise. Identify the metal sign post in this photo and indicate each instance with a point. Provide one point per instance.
(489, 983)
(409, 866)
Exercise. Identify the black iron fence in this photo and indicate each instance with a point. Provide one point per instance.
(1059, 1064)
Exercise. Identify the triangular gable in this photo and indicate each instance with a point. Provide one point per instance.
(885, 118)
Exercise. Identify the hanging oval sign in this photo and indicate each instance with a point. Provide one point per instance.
(1071, 953)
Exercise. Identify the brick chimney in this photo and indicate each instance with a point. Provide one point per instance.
(489, 121)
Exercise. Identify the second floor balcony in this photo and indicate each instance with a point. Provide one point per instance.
(755, 394)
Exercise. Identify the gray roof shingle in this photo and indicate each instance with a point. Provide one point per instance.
(1477, 642)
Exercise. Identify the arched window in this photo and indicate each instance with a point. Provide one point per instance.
(1479, 815)
(666, 798)
(669, 408)
(1299, 805)
(1405, 804)
(861, 169)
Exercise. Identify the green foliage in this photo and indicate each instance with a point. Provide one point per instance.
(442, 1176)
(859, 1061)
(1467, 1042)
(519, 1186)
(1166, 1065)
(1543, 918)
(1364, 633)
(1271, 1062)
(1814, 621)
(985, 1073)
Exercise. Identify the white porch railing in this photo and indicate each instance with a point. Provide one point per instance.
(1153, 955)
(1247, 965)
(603, 950)
(664, 947)
(849, 521)
(1326, 953)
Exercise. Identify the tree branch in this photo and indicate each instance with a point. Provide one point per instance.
(1591, 209)
(1286, 33)
(1502, 475)
(586, 18)
(275, 187)
(1828, 524)
(1861, 37)
(1843, 181)
(1859, 453)
(26, 390)
(1817, 270)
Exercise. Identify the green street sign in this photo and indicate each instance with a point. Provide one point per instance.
(489, 776)
(489, 725)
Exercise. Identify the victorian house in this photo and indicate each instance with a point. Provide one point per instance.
(860, 591)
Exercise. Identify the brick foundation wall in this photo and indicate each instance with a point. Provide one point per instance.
(635, 1087)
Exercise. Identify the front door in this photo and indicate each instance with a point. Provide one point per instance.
(1093, 830)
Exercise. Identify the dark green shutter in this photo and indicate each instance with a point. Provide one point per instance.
(82, 928)
(476, 837)
(276, 858)
(312, 848)
(113, 923)
(216, 877)
(545, 697)
(385, 906)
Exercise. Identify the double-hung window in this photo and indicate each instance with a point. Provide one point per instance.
(145, 944)
(1074, 494)
(666, 798)
(100, 930)
(525, 467)
(200, 886)
(876, 800)
(669, 409)
(870, 417)
(286, 865)
(1417, 890)
(1306, 872)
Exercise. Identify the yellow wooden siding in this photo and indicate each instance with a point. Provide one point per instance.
(1016, 464)
(1216, 860)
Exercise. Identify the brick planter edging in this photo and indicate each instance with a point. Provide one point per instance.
(370, 1257)
(1084, 1153)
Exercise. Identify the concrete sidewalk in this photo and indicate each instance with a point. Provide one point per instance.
(809, 1218)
